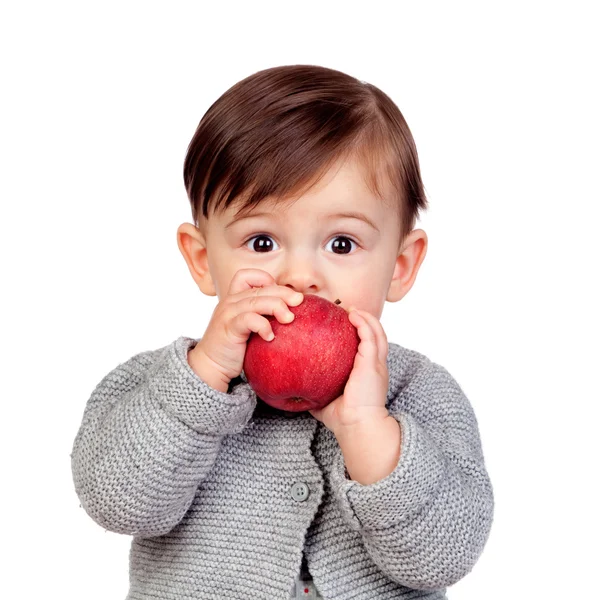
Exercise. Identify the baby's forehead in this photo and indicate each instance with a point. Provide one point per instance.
(365, 206)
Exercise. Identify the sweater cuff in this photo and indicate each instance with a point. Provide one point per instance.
(184, 394)
(395, 498)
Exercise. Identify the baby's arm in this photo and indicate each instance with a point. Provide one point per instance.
(150, 433)
(425, 524)
(153, 426)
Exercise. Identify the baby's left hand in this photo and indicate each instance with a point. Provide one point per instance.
(366, 390)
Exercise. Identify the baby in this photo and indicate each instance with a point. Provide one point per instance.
(382, 492)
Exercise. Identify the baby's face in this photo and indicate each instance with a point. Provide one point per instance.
(312, 245)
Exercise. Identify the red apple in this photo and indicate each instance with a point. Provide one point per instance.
(308, 363)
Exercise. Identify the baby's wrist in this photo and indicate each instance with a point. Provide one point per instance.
(206, 370)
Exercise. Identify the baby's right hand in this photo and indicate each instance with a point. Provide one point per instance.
(219, 356)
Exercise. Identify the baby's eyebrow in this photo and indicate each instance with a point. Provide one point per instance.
(341, 215)
(354, 215)
(242, 217)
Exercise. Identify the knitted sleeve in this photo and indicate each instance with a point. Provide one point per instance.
(425, 524)
(150, 433)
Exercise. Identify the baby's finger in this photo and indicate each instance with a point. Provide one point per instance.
(244, 323)
(266, 305)
(246, 279)
(368, 342)
(377, 327)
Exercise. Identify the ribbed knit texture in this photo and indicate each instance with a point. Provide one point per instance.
(203, 482)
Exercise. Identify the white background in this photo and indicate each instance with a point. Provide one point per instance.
(99, 102)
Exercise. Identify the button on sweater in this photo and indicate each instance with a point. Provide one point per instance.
(224, 495)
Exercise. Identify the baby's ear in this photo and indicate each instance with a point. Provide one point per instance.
(192, 245)
(407, 265)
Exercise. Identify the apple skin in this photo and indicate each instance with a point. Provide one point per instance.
(308, 363)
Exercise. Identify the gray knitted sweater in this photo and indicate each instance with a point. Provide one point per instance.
(223, 494)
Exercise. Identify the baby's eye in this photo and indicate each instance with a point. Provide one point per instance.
(264, 243)
(343, 246)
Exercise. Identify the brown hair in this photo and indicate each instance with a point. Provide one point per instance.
(277, 132)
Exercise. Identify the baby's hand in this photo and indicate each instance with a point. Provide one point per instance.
(219, 355)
